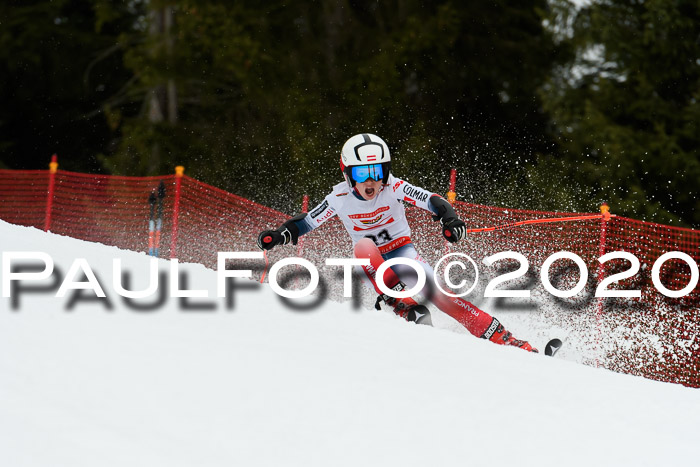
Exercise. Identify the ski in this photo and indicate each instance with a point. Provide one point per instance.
(552, 347)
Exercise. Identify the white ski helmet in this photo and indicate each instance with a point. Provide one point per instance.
(367, 150)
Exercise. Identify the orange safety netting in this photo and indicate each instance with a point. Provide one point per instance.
(653, 336)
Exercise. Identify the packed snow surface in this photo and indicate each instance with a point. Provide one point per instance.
(87, 382)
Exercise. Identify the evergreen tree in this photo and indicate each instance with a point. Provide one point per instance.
(271, 90)
(57, 67)
(626, 107)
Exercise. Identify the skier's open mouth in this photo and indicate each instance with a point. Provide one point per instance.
(369, 192)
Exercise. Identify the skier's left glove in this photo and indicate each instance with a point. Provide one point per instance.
(453, 229)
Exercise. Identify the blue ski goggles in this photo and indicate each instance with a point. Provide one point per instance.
(360, 173)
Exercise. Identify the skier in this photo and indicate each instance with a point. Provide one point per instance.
(369, 203)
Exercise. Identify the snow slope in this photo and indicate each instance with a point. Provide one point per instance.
(263, 385)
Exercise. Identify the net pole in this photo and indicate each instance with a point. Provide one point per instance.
(452, 194)
(179, 172)
(451, 197)
(300, 243)
(304, 208)
(600, 304)
(53, 168)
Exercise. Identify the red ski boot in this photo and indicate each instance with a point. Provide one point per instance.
(497, 333)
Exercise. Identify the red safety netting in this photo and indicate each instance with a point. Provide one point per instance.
(653, 336)
(23, 196)
(211, 220)
(654, 328)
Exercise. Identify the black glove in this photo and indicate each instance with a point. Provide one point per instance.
(288, 233)
(269, 239)
(453, 229)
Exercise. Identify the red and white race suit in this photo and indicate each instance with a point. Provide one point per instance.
(383, 220)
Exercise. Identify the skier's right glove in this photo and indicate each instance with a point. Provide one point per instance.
(287, 233)
(271, 238)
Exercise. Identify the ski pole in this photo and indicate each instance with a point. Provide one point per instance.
(159, 221)
(537, 221)
(151, 223)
